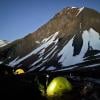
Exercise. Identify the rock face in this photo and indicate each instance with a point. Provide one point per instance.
(71, 39)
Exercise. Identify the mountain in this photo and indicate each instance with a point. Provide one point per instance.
(70, 40)
(3, 43)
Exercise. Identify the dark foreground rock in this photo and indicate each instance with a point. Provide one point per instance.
(17, 86)
(25, 86)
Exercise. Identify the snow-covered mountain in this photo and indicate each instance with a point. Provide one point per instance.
(71, 39)
(3, 43)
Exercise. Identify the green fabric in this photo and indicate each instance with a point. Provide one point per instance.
(58, 85)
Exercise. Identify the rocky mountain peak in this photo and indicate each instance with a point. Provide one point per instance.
(63, 41)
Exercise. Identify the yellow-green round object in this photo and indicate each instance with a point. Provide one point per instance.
(19, 71)
(58, 86)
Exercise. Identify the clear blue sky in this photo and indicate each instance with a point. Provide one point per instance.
(20, 17)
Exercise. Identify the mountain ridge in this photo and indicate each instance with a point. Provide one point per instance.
(40, 49)
(3, 43)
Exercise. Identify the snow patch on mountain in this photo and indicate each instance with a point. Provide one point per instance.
(80, 10)
(3, 43)
(66, 52)
(37, 61)
(37, 42)
(51, 68)
(65, 68)
(37, 66)
(12, 63)
(53, 49)
(40, 50)
(94, 39)
(73, 7)
(90, 37)
(1, 62)
(93, 65)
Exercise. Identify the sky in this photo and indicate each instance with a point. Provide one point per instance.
(21, 17)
